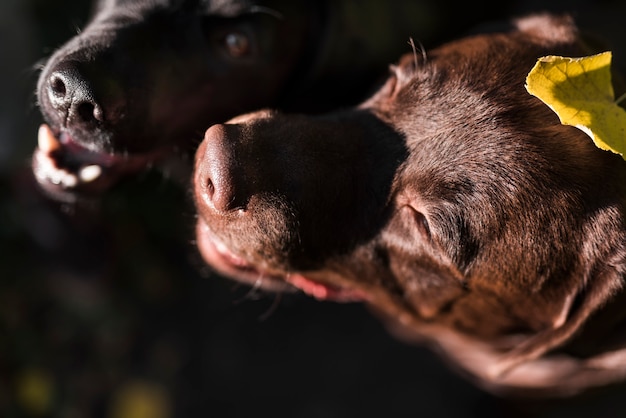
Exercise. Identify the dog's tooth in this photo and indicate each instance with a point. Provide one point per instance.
(46, 140)
(55, 176)
(69, 180)
(90, 173)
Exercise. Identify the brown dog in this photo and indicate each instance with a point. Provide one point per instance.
(452, 201)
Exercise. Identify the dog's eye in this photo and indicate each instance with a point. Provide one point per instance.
(417, 219)
(237, 44)
(422, 224)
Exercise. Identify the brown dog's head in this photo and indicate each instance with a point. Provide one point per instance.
(452, 201)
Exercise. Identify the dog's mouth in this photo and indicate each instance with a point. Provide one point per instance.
(62, 165)
(225, 262)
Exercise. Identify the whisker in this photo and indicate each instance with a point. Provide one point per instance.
(421, 49)
(253, 292)
(273, 307)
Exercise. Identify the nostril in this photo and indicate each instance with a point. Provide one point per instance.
(85, 111)
(219, 179)
(59, 91)
(220, 192)
(216, 192)
(209, 189)
(88, 112)
(57, 86)
(72, 95)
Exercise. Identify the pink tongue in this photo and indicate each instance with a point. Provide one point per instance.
(324, 292)
(318, 291)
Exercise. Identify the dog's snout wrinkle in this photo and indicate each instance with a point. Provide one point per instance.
(72, 96)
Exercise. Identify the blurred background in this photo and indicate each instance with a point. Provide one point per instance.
(106, 310)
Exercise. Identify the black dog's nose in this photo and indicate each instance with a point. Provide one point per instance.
(217, 170)
(72, 96)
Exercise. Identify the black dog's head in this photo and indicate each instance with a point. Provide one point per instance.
(452, 201)
(145, 77)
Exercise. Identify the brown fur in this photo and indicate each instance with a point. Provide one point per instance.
(452, 202)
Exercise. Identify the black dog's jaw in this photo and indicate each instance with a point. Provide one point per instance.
(144, 79)
(452, 201)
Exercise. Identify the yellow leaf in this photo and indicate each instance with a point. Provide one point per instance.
(141, 399)
(580, 92)
(35, 391)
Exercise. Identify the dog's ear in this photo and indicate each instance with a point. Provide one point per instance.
(552, 29)
(429, 279)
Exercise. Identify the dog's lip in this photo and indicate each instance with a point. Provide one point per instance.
(222, 259)
(62, 164)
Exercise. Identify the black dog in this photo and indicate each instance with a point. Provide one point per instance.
(452, 201)
(145, 78)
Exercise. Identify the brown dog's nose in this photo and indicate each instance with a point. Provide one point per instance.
(216, 170)
(72, 96)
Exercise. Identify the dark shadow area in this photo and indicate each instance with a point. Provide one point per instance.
(106, 310)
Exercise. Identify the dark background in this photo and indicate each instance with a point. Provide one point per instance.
(106, 310)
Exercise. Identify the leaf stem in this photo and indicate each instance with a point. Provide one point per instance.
(620, 98)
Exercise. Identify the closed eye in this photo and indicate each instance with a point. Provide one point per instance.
(421, 222)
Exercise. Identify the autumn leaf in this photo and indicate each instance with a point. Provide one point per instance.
(580, 92)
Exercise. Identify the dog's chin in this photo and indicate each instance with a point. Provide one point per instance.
(225, 262)
(65, 169)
